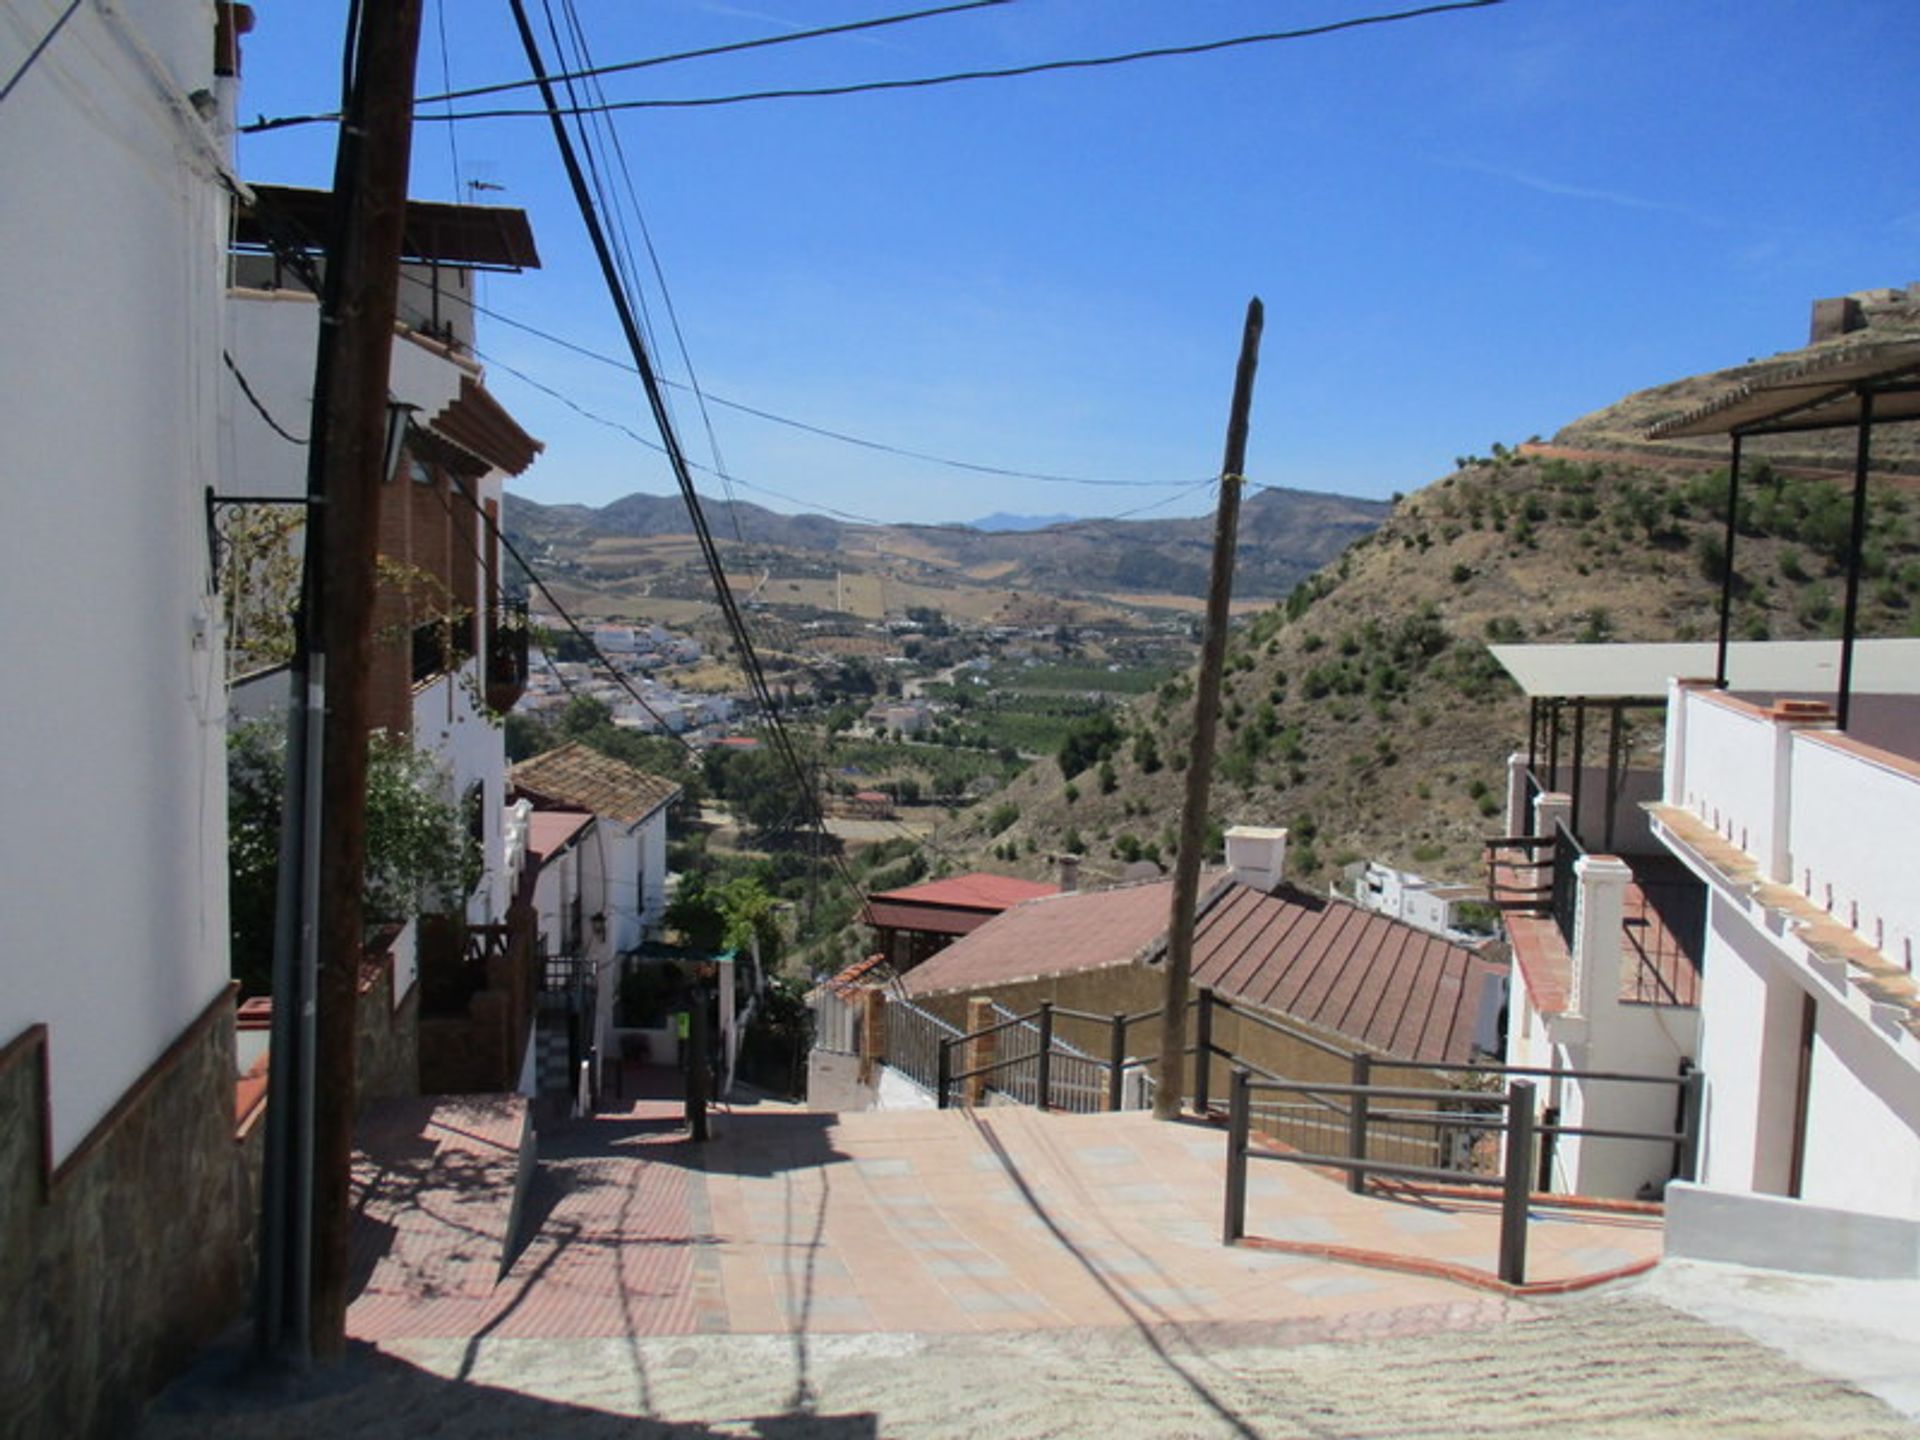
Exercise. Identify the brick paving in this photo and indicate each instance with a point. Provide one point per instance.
(930, 1222)
(817, 1277)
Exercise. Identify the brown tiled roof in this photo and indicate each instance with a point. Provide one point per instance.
(1051, 935)
(1393, 987)
(1385, 984)
(575, 776)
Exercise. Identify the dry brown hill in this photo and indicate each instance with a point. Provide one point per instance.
(1365, 711)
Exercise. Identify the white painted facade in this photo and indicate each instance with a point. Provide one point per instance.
(272, 337)
(1432, 905)
(1805, 839)
(112, 741)
(619, 875)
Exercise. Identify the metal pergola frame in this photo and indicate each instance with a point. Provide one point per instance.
(1858, 386)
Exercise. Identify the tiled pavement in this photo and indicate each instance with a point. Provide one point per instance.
(791, 1221)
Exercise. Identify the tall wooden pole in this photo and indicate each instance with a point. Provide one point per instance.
(378, 132)
(1206, 718)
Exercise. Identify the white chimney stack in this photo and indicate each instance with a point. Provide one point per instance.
(1257, 855)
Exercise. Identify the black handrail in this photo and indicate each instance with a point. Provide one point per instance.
(1514, 1187)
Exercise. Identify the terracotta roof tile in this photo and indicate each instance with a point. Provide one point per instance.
(576, 776)
(1050, 935)
(978, 890)
(1380, 982)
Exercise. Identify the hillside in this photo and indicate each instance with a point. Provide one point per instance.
(1365, 711)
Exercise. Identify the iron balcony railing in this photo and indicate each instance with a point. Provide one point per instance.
(1567, 852)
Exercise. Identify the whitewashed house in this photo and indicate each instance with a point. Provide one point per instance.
(450, 651)
(1433, 905)
(1805, 838)
(595, 833)
(117, 1094)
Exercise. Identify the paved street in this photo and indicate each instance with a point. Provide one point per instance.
(998, 1272)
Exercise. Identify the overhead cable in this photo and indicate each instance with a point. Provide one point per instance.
(38, 50)
(845, 438)
(1010, 72)
(703, 53)
(736, 624)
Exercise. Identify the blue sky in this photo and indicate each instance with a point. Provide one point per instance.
(1465, 228)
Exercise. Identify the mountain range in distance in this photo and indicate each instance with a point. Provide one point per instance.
(1001, 522)
(1284, 536)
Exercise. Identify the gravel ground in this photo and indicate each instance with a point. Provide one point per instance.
(1594, 1366)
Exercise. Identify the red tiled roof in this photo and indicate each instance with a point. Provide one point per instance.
(979, 890)
(578, 777)
(1050, 935)
(1381, 982)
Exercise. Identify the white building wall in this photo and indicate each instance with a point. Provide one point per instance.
(653, 872)
(1850, 815)
(112, 761)
(1835, 822)
(1728, 773)
(1863, 1100)
(470, 749)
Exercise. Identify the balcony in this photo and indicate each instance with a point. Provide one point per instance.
(507, 652)
(440, 645)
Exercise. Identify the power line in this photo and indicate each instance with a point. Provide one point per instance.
(863, 442)
(816, 506)
(656, 399)
(254, 400)
(705, 52)
(924, 82)
(493, 529)
(38, 50)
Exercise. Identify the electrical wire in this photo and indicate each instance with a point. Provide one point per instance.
(862, 442)
(816, 506)
(446, 78)
(703, 53)
(494, 530)
(924, 82)
(38, 50)
(736, 624)
(254, 400)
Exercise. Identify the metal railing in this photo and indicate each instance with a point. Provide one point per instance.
(1075, 1081)
(1522, 888)
(914, 1037)
(1085, 1083)
(1524, 1137)
(1567, 852)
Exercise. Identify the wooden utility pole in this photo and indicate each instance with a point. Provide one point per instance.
(1171, 1069)
(376, 140)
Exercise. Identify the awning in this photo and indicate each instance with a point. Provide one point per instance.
(1636, 672)
(1819, 393)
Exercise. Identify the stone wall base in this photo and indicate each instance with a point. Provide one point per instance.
(119, 1265)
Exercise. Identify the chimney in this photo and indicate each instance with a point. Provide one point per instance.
(1257, 855)
(1069, 872)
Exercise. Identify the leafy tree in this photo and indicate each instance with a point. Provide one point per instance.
(422, 856)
